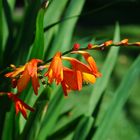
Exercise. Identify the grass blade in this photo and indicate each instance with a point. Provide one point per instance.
(65, 130)
(64, 35)
(121, 95)
(37, 50)
(1, 32)
(33, 124)
(49, 19)
(10, 39)
(97, 92)
(26, 34)
(83, 128)
(106, 72)
(51, 116)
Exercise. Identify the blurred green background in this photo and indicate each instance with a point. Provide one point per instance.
(97, 22)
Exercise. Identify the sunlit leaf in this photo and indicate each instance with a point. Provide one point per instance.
(121, 96)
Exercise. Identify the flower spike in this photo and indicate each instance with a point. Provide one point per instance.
(90, 61)
(21, 76)
(20, 106)
(55, 70)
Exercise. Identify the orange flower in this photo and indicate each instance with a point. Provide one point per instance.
(90, 61)
(21, 76)
(72, 80)
(77, 65)
(16, 72)
(20, 106)
(55, 70)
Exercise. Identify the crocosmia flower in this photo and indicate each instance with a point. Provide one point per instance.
(55, 70)
(90, 60)
(22, 75)
(72, 80)
(20, 106)
(77, 65)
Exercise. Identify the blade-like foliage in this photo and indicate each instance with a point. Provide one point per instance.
(25, 35)
(120, 97)
(33, 124)
(51, 116)
(100, 85)
(83, 128)
(64, 35)
(1, 31)
(12, 4)
(49, 19)
(40, 33)
(38, 45)
(10, 38)
(106, 72)
(65, 130)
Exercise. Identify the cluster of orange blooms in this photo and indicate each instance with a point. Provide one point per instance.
(70, 78)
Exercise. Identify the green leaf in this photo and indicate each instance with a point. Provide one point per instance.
(10, 39)
(121, 96)
(64, 35)
(24, 37)
(11, 4)
(7, 129)
(106, 71)
(1, 32)
(49, 19)
(97, 92)
(51, 115)
(83, 128)
(55, 4)
(65, 130)
(9, 132)
(37, 50)
(33, 124)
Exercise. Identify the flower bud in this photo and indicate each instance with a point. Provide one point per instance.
(90, 46)
(108, 43)
(124, 42)
(76, 46)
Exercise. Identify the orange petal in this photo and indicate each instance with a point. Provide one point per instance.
(64, 87)
(77, 65)
(32, 66)
(15, 72)
(35, 84)
(20, 106)
(55, 71)
(23, 81)
(73, 79)
(90, 61)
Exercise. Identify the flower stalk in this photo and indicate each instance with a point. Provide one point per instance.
(70, 78)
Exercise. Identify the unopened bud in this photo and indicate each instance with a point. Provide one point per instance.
(76, 46)
(90, 46)
(108, 43)
(14, 83)
(12, 66)
(124, 42)
(137, 43)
